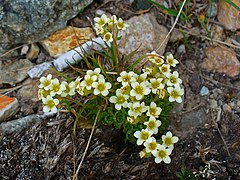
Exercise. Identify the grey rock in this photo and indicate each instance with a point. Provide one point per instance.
(25, 21)
(21, 123)
(38, 70)
(193, 119)
(181, 49)
(213, 103)
(143, 30)
(204, 91)
(15, 72)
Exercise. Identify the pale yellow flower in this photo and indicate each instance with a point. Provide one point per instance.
(169, 140)
(50, 104)
(120, 100)
(107, 37)
(121, 25)
(136, 109)
(46, 82)
(143, 136)
(153, 124)
(162, 154)
(175, 94)
(151, 145)
(171, 61)
(139, 90)
(101, 87)
(101, 21)
(173, 79)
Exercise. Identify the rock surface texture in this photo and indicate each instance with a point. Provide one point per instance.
(24, 21)
(8, 107)
(228, 15)
(143, 30)
(66, 39)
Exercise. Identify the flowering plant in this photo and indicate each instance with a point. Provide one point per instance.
(137, 102)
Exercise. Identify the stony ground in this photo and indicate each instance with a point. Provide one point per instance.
(207, 123)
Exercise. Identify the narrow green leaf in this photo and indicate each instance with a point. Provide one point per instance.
(233, 4)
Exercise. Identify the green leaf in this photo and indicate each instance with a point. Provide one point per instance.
(233, 4)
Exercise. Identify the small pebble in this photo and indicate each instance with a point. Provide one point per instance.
(204, 91)
(181, 49)
(213, 104)
(99, 12)
(227, 108)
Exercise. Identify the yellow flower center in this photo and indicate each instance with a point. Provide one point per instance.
(88, 82)
(55, 87)
(155, 84)
(164, 69)
(46, 83)
(170, 61)
(102, 22)
(174, 94)
(152, 111)
(120, 100)
(120, 25)
(158, 60)
(101, 87)
(139, 90)
(173, 79)
(151, 124)
(144, 136)
(126, 78)
(67, 90)
(168, 141)
(50, 104)
(152, 146)
(162, 154)
(107, 36)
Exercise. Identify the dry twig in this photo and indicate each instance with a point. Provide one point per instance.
(88, 143)
(219, 131)
(175, 22)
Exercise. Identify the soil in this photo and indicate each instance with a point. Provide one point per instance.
(50, 151)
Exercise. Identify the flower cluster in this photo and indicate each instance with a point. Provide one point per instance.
(137, 100)
(161, 82)
(51, 90)
(105, 27)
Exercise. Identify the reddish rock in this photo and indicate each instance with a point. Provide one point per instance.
(66, 39)
(228, 15)
(8, 107)
(221, 59)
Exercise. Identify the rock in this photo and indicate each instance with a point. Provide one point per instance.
(30, 21)
(24, 49)
(8, 107)
(176, 35)
(204, 91)
(193, 119)
(29, 91)
(66, 39)
(145, 31)
(38, 70)
(19, 124)
(181, 49)
(228, 15)
(217, 33)
(212, 10)
(14, 72)
(33, 52)
(223, 60)
(213, 103)
(195, 83)
(227, 108)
